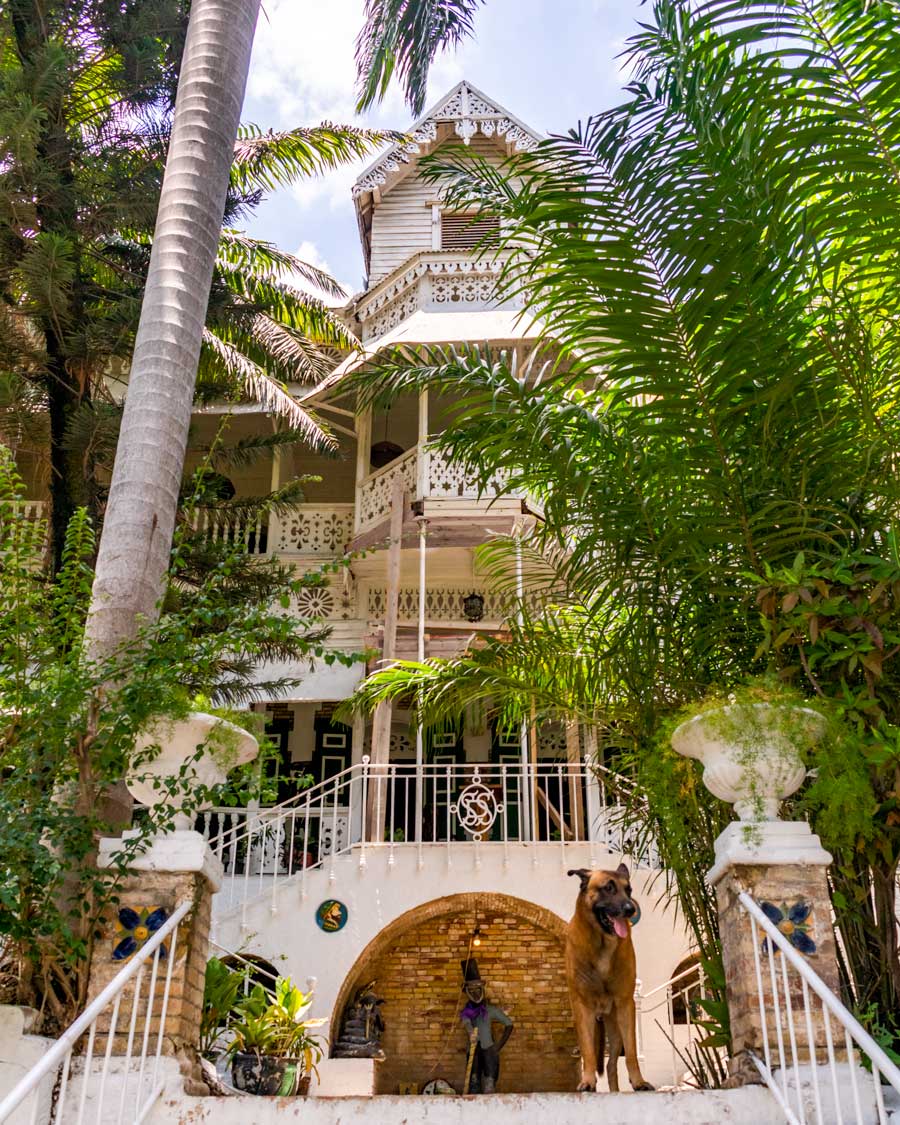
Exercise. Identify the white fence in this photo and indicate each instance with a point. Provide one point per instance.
(317, 530)
(426, 473)
(398, 805)
(119, 1081)
(815, 1053)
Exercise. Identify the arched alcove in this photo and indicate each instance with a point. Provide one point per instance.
(415, 962)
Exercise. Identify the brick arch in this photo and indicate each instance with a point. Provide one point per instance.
(415, 960)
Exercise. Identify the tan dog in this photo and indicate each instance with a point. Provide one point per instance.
(600, 972)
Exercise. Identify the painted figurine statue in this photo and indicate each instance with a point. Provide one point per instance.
(362, 1027)
(478, 1018)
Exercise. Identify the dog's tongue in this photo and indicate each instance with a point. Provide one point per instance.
(621, 927)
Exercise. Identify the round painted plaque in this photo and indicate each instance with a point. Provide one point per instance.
(331, 916)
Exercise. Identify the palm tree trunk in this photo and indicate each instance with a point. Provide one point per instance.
(137, 533)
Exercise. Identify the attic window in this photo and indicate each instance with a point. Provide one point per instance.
(464, 231)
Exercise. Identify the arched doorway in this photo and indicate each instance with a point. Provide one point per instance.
(415, 963)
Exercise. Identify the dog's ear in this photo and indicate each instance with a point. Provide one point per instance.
(623, 872)
(583, 874)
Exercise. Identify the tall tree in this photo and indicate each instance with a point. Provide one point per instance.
(86, 92)
(715, 445)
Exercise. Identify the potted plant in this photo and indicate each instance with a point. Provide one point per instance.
(752, 745)
(274, 1051)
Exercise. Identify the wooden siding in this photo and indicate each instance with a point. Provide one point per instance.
(401, 222)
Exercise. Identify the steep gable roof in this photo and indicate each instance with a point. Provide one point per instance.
(469, 111)
(463, 111)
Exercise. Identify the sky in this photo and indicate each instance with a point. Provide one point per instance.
(549, 62)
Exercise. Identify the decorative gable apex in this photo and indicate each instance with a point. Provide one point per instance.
(470, 112)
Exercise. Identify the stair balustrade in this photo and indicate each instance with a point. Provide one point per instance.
(106, 1065)
(438, 805)
(815, 1053)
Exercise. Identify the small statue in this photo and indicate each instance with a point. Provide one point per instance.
(478, 1017)
(362, 1027)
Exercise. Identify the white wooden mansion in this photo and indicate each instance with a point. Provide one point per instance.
(406, 854)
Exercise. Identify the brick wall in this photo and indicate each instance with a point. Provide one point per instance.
(418, 974)
(150, 890)
(778, 884)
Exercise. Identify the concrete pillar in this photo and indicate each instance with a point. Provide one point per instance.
(175, 868)
(782, 863)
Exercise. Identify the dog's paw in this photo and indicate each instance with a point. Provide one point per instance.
(643, 1086)
(587, 1087)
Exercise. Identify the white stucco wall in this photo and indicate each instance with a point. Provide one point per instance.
(392, 882)
(752, 1105)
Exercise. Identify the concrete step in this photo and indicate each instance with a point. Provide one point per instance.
(752, 1105)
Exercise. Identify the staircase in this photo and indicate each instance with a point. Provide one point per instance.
(752, 1105)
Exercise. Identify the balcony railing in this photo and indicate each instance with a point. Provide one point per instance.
(318, 530)
(427, 474)
(397, 805)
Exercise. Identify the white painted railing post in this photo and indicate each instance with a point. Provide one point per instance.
(596, 827)
(638, 1017)
(365, 806)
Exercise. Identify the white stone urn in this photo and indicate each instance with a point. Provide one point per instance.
(751, 753)
(225, 746)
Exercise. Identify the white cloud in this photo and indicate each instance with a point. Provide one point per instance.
(308, 252)
(303, 72)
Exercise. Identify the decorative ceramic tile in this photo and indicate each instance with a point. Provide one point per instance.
(331, 916)
(135, 928)
(794, 921)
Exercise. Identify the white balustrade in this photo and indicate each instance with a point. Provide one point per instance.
(31, 510)
(321, 530)
(112, 1052)
(374, 494)
(239, 528)
(445, 479)
(317, 530)
(427, 474)
(820, 1064)
(548, 804)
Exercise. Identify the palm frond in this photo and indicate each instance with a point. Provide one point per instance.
(269, 159)
(404, 37)
(238, 250)
(260, 387)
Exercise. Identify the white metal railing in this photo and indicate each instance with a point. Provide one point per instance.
(125, 1085)
(812, 1067)
(677, 997)
(397, 805)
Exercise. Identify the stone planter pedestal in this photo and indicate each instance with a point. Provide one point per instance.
(173, 867)
(750, 761)
(204, 746)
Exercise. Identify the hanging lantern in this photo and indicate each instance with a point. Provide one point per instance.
(473, 606)
(383, 452)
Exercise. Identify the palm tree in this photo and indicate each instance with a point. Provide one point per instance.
(83, 161)
(403, 37)
(714, 442)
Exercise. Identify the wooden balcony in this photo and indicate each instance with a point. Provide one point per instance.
(438, 489)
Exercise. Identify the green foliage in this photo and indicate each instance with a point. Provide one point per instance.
(222, 986)
(404, 36)
(86, 102)
(277, 1025)
(68, 727)
(711, 434)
